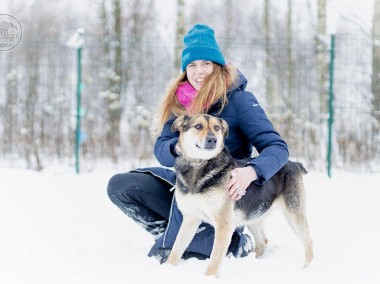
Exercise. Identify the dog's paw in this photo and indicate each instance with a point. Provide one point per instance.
(172, 260)
(212, 270)
(167, 263)
(307, 263)
(211, 273)
(259, 252)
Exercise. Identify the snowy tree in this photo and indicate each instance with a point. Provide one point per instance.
(268, 56)
(112, 96)
(322, 54)
(376, 65)
(179, 33)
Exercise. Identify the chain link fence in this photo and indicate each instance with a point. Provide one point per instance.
(37, 99)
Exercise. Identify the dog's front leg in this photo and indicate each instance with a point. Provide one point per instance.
(223, 235)
(185, 235)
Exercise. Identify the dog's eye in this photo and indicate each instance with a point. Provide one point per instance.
(198, 126)
(217, 127)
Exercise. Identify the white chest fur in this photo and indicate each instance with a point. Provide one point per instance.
(207, 206)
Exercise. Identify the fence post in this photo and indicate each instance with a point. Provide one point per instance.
(77, 41)
(331, 106)
(79, 108)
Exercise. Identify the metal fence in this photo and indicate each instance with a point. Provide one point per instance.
(355, 136)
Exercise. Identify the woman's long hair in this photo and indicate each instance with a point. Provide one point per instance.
(214, 89)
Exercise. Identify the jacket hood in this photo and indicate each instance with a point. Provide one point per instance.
(240, 85)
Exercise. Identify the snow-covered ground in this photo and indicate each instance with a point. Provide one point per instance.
(59, 227)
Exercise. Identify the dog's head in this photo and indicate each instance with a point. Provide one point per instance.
(201, 136)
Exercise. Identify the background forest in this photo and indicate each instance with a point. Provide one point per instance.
(131, 50)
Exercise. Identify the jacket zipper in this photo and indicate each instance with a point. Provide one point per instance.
(172, 204)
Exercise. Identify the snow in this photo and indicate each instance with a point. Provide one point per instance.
(59, 227)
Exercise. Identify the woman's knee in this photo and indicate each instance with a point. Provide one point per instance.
(116, 185)
(123, 187)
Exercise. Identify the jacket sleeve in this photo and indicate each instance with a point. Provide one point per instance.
(164, 148)
(255, 125)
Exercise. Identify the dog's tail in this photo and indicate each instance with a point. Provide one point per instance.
(302, 168)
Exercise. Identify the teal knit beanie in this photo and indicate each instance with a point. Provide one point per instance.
(200, 44)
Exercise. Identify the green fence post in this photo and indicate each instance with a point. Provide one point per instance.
(79, 102)
(331, 106)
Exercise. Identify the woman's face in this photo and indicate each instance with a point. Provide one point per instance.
(197, 72)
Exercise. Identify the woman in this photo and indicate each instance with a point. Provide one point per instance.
(208, 84)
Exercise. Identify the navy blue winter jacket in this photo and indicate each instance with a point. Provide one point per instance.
(248, 127)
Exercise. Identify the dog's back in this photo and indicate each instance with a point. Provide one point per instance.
(287, 183)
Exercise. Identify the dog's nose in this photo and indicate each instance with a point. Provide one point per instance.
(210, 141)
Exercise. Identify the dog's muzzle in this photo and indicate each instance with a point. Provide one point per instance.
(210, 143)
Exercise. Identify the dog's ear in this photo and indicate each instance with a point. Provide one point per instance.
(180, 122)
(224, 127)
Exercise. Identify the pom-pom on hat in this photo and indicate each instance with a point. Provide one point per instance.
(200, 44)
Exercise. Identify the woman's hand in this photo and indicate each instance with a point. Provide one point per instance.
(241, 178)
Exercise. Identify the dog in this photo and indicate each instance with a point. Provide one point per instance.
(203, 171)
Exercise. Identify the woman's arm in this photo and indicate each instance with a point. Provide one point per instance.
(253, 122)
(164, 148)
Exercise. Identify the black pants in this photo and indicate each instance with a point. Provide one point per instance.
(144, 198)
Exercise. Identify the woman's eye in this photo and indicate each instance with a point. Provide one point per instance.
(198, 126)
(217, 128)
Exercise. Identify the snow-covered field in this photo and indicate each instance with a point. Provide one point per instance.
(59, 227)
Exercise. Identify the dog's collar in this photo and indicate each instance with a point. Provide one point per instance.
(196, 161)
(200, 161)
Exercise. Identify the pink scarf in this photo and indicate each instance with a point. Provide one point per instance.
(186, 94)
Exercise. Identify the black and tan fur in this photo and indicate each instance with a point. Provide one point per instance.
(203, 172)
